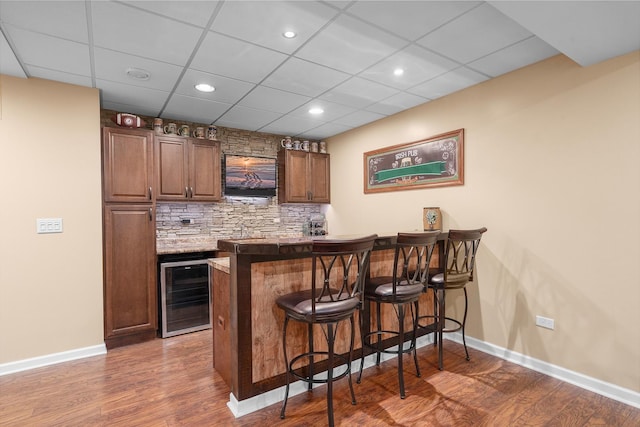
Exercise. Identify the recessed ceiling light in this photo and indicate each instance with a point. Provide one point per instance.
(398, 72)
(316, 110)
(138, 73)
(288, 34)
(204, 87)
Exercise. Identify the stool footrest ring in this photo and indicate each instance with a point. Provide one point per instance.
(342, 359)
(455, 329)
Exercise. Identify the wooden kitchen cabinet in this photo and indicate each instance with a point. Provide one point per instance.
(130, 296)
(188, 169)
(127, 167)
(303, 177)
(129, 236)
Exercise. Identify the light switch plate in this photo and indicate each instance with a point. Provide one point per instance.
(48, 225)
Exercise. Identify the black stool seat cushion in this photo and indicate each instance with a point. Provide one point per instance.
(298, 305)
(382, 287)
(453, 280)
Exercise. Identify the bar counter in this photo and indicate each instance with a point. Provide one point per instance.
(292, 245)
(247, 324)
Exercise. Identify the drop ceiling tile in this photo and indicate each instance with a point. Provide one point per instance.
(64, 19)
(9, 64)
(358, 93)
(227, 90)
(131, 95)
(290, 125)
(324, 131)
(418, 64)
(340, 4)
(331, 112)
(359, 118)
(410, 19)
(198, 110)
(247, 118)
(140, 33)
(266, 98)
(59, 76)
(513, 57)
(112, 65)
(51, 52)
(240, 60)
(447, 83)
(263, 22)
(192, 12)
(354, 45)
(304, 78)
(396, 103)
(475, 34)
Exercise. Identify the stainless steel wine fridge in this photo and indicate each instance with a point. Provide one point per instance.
(185, 294)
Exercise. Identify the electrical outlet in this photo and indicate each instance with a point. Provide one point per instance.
(545, 322)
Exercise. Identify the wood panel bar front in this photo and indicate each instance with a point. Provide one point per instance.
(260, 270)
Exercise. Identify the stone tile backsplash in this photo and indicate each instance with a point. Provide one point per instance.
(232, 217)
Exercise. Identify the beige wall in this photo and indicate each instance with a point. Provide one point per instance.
(551, 164)
(50, 284)
(552, 168)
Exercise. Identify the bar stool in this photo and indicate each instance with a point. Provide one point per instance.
(408, 281)
(460, 255)
(338, 271)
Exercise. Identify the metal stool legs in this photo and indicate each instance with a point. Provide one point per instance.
(400, 333)
(439, 308)
(330, 336)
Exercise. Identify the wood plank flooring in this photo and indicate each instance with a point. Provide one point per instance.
(171, 382)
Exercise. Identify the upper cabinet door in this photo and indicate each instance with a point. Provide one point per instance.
(294, 177)
(172, 174)
(204, 171)
(127, 162)
(319, 178)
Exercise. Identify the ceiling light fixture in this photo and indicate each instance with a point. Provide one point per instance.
(398, 72)
(138, 73)
(204, 87)
(288, 34)
(316, 110)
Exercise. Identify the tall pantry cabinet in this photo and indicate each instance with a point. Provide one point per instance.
(130, 307)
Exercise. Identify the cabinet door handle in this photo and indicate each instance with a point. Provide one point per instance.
(186, 192)
(191, 192)
(150, 194)
(150, 214)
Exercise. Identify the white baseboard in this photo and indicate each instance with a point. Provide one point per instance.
(51, 359)
(626, 396)
(603, 388)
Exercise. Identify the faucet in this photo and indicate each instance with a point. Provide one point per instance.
(242, 230)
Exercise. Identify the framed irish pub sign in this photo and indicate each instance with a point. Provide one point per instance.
(433, 162)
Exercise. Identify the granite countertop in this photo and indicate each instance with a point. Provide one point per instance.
(221, 264)
(293, 245)
(164, 247)
(264, 245)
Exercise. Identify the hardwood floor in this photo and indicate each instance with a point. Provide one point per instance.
(171, 382)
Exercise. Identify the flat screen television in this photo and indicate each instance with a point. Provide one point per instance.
(249, 176)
